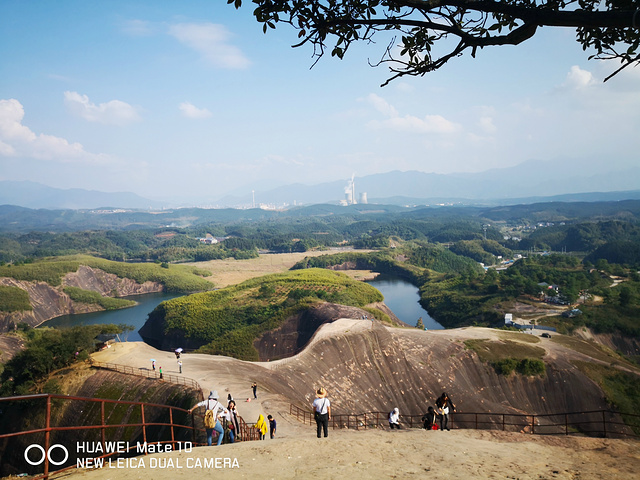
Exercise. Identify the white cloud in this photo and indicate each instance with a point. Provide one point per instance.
(407, 123)
(486, 124)
(17, 140)
(189, 110)
(411, 124)
(381, 105)
(578, 78)
(212, 42)
(114, 112)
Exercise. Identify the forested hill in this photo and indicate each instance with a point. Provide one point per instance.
(18, 219)
(233, 321)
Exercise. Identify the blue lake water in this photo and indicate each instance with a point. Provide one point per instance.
(135, 315)
(400, 296)
(403, 297)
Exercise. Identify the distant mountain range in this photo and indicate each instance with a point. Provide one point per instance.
(35, 195)
(525, 183)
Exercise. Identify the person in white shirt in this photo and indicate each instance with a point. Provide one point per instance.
(322, 411)
(394, 419)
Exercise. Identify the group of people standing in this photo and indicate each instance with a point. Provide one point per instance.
(444, 406)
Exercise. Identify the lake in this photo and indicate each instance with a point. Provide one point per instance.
(399, 295)
(135, 315)
(403, 298)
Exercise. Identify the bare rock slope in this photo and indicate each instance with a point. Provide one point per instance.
(49, 302)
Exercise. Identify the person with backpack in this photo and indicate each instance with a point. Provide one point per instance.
(214, 411)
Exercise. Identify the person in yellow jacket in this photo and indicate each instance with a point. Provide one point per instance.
(262, 427)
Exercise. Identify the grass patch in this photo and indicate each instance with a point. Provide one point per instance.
(507, 356)
(592, 349)
(491, 351)
(14, 299)
(518, 336)
(621, 389)
(94, 298)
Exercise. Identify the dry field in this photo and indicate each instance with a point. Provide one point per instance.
(231, 272)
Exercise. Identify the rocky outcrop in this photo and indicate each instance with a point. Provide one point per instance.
(48, 302)
(628, 346)
(376, 368)
(108, 284)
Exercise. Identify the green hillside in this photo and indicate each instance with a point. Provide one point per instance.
(227, 321)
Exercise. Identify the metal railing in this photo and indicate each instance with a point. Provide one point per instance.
(605, 423)
(96, 422)
(145, 372)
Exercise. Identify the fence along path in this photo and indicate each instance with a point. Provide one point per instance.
(606, 423)
(246, 432)
(145, 372)
(149, 422)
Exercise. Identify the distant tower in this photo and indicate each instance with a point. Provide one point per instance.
(363, 198)
(350, 192)
(353, 190)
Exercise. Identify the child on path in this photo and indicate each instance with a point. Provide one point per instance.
(272, 426)
(261, 425)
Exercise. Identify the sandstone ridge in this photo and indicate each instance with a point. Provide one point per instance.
(49, 302)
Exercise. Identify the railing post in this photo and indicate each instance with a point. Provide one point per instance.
(566, 424)
(47, 435)
(173, 440)
(503, 415)
(476, 421)
(365, 421)
(533, 424)
(102, 430)
(604, 424)
(144, 427)
(193, 430)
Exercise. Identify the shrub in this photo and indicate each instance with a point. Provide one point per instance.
(525, 366)
(14, 299)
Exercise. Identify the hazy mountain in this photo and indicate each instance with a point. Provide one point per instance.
(533, 180)
(35, 195)
(529, 182)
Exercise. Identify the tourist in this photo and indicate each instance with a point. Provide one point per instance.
(272, 426)
(261, 426)
(429, 419)
(254, 387)
(233, 418)
(322, 411)
(160, 370)
(180, 365)
(394, 419)
(212, 420)
(443, 403)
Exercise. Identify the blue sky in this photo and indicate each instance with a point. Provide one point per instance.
(190, 99)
